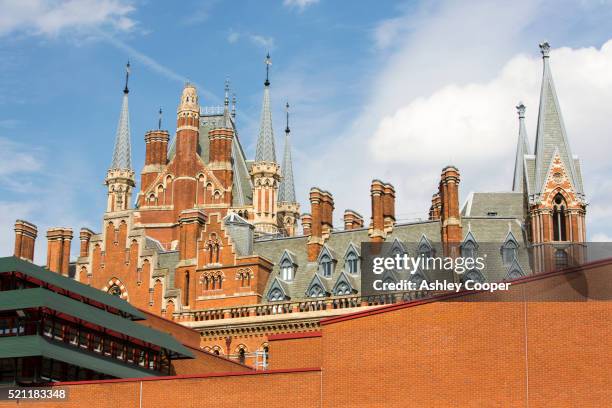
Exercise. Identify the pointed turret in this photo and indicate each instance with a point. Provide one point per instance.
(265, 170)
(120, 176)
(557, 206)
(551, 137)
(286, 191)
(122, 155)
(266, 151)
(288, 208)
(522, 148)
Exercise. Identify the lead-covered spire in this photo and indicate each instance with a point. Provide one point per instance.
(551, 137)
(265, 142)
(122, 155)
(286, 192)
(522, 148)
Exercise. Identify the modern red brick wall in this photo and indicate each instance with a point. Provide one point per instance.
(521, 353)
(295, 350)
(205, 362)
(297, 388)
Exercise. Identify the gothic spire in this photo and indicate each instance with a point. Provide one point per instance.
(286, 192)
(226, 109)
(122, 155)
(522, 148)
(551, 137)
(265, 142)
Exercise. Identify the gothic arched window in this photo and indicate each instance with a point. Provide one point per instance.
(352, 263)
(115, 290)
(509, 249)
(559, 208)
(287, 270)
(326, 264)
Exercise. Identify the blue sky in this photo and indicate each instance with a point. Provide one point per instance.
(391, 89)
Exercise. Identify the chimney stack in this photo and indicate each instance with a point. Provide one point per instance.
(389, 207)
(85, 236)
(25, 238)
(306, 224)
(449, 198)
(58, 249)
(377, 224)
(352, 220)
(436, 205)
(156, 155)
(315, 241)
(327, 214)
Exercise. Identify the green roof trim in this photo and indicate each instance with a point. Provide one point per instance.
(14, 264)
(26, 346)
(40, 297)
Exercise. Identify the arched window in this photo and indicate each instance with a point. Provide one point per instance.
(473, 275)
(275, 295)
(469, 246)
(326, 265)
(241, 356)
(342, 289)
(287, 270)
(559, 207)
(509, 250)
(561, 259)
(315, 291)
(352, 263)
(115, 290)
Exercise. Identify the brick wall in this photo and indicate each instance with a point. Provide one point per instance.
(295, 350)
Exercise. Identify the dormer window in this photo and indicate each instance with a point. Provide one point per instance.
(469, 246)
(287, 266)
(287, 270)
(326, 265)
(425, 248)
(509, 249)
(352, 263)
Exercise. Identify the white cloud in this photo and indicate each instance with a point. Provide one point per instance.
(299, 4)
(233, 36)
(50, 18)
(601, 237)
(262, 41)
(446, 93)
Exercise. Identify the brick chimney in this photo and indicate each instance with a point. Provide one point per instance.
(156, 155)
(436, 207)
(315, 241)
(58, 249)
(25, 238)
(306, 223)
(85, 237)
(450, 217)
(377, 224)
(220, 154)
(352, 220)
(389, 207)
(327, 214)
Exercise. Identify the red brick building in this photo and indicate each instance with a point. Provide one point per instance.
(213, 243)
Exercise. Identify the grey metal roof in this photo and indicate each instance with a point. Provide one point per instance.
(41, 297)
(13, 264)
(122, 154)
(551, 137)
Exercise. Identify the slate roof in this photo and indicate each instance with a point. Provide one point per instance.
(503, 204)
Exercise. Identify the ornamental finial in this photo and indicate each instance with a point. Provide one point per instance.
(545, 49)
(127, 77)
(234, 105)
(287, 130)
(520, 108)
(268, 62)
(227, 87)
(159, 120)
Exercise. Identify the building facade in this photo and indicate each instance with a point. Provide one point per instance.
(213, 242)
